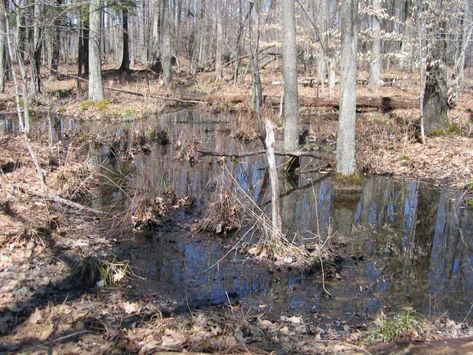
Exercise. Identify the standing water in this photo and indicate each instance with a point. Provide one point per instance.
(400, 243)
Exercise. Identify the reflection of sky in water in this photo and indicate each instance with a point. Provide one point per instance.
(394, 268)
(407, 232)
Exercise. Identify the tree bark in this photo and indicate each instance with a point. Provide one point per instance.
(3, 67)
(125, 65)
(273, 177)
(291, 99)
(346, 164)
(36, 49)
(56, 41)
(218, 53)
(83, 60)
(375, 68)
(95, 66)
(435, 94)
(166, 54)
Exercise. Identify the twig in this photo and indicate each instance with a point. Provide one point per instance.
(230, 304)
(323, 276)
(57, 340)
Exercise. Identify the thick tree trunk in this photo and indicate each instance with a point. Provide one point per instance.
(346, 164)
(375, 68)
(83, 60)
(435, 94)
(95, 66)
(125, 65)
(166, 53)
(291, 99)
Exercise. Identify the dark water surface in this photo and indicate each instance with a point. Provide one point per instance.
(405, 243)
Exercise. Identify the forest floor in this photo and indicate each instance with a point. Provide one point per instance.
(42, 241)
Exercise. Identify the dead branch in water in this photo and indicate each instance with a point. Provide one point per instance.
(57, 199)
(259, 152)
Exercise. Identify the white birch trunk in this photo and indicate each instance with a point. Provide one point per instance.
(273, 176)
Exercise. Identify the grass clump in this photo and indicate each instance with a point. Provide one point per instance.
(451, 129)
(469, 186)
(469, 203)
(128, 114)
(93, 271)
(387, 329)
(101, 105)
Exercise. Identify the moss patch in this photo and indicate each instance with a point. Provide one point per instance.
(452, 129)
(469, 203)
(101, 105)
(347, 183)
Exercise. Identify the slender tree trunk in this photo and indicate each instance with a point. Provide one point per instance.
(218, 54)
(291, 97)
(459, 66)
(257, 88)
(3, 67)
(56, 41)
(238, 41)
(125, 65)
(95, 66)
(346, 164)
(375, 68)
(166, 55)
(36, 51)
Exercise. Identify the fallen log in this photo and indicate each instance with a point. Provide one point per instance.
(383, 103)
(57, 199)
(314, 155)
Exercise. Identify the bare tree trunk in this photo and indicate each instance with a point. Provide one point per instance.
(166, 54)
(83, 60)
(238, 42)
(125, 65)
(257, 89)
(36, 51)
(436, 95)
(218, 54)
(95, 66)
(273, 176)
(375, 68)
(346, 164)
(56, 42)
(459, 66)
(3, 67)
(291, 97)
